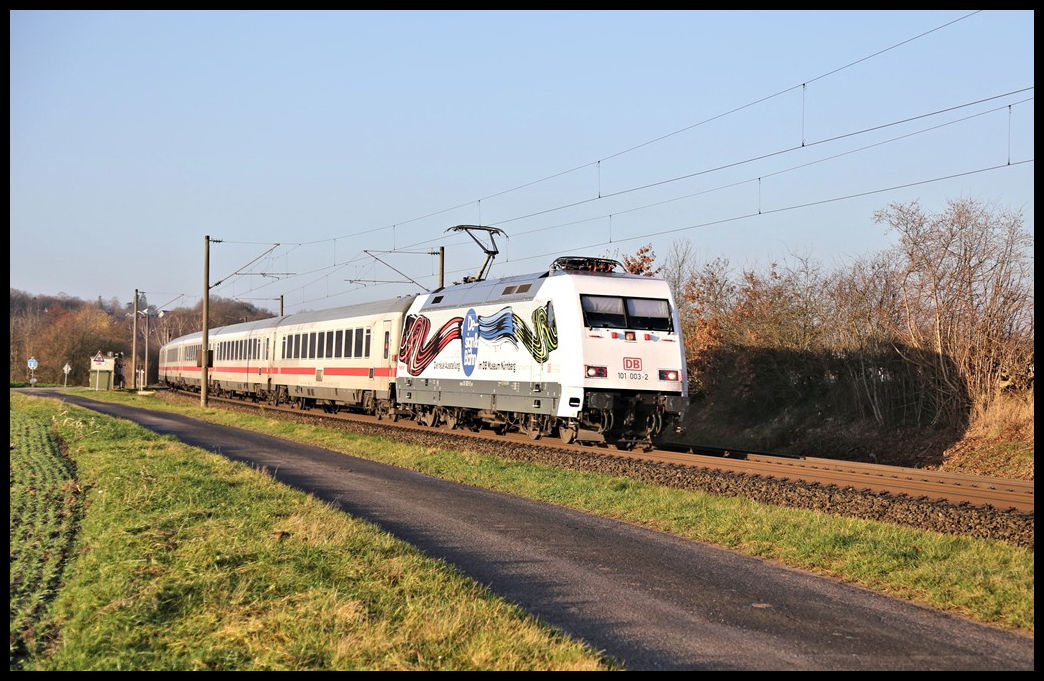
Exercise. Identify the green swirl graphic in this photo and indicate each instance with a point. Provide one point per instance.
(543, 337)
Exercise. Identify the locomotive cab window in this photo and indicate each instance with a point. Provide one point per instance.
(642, 314)
(603, 312)
(649, 314)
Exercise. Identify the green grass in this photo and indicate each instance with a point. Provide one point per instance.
(186, 561)
(989, 581)
(44, 511)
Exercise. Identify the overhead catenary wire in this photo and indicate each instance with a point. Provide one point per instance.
(659, 138)
(326, 270)
(745, 216)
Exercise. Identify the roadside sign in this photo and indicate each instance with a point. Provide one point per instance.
(33, 364)
(66, 368)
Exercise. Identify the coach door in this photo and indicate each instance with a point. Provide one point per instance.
(383, 354)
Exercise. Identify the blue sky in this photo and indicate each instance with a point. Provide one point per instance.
(755, 136)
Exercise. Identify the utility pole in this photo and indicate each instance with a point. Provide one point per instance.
(442, 266)
(145, 381)
(206, 320)
(280, 305)
(134, 345)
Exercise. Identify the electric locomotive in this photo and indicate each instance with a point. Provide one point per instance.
(583, 349)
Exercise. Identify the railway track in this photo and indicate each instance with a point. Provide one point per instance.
(956, 488)
(950, 502)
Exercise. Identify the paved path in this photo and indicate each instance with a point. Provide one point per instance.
(648, 599)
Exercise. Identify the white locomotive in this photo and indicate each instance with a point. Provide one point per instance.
(583, 350)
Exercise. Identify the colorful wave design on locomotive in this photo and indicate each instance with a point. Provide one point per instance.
(504, 325)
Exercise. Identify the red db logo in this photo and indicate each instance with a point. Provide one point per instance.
(633, 363)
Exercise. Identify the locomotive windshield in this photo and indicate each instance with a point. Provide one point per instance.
(617, 312)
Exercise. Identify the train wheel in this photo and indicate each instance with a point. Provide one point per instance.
(534, 426)
(429, 417)
(567, 433)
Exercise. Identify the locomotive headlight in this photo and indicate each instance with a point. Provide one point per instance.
(597, 372)
(668, 375)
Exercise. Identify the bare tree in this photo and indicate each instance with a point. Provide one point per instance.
(966, 293)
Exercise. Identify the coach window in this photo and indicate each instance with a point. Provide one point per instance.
(329, 343)
(283, 349)
(367, 351)
(387, 340)
(319, 350)
(348, 344)
(358, 343)
(339, 344)
(311, 345)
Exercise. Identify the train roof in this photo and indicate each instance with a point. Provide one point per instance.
(513, 288)
(400, 304)
(523, 287)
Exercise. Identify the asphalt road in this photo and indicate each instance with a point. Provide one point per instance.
(649, 600)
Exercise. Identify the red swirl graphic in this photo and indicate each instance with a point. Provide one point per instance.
(415, 352)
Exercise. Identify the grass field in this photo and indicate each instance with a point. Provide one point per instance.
(44, 513)
(186, 561)
(988, 581)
